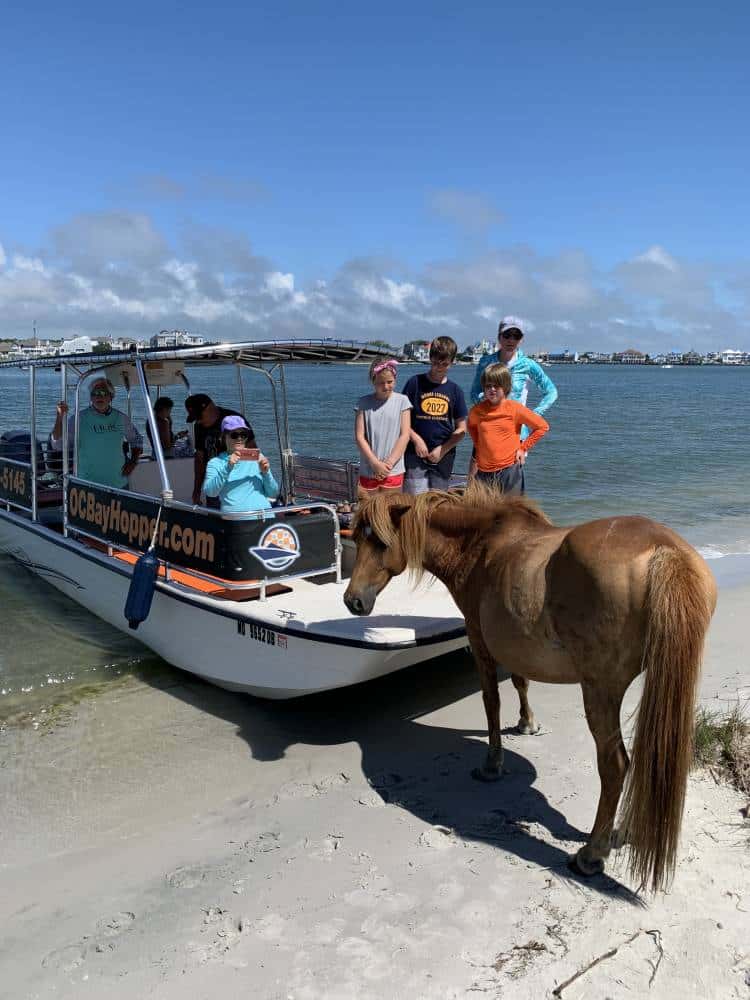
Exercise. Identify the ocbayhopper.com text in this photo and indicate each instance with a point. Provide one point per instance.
(113, 517)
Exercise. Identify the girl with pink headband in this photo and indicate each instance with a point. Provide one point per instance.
(382, 428)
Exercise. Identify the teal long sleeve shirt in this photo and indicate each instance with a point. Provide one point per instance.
(241, 487)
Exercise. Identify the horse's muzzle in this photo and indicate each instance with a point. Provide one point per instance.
(361, 603)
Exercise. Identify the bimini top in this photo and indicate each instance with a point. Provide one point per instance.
(262, 353)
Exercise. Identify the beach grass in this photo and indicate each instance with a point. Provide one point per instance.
(722, 743)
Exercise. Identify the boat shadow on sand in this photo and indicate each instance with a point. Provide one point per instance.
(423, 768)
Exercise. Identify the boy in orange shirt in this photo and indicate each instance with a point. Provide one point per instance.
(495, 428)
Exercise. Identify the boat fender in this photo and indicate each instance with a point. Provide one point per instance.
(143, 584)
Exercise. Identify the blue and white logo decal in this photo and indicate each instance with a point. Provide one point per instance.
(278, 547)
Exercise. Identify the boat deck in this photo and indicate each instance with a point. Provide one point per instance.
(403, 614)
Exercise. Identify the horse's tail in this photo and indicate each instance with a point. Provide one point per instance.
(680, 602)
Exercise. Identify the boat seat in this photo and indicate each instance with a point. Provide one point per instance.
(145, 478)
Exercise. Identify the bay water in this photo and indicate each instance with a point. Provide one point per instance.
(668, 443)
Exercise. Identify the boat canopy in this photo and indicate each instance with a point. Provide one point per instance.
(155, 368)
(258, 353)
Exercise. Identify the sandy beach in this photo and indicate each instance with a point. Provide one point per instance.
(174, 840)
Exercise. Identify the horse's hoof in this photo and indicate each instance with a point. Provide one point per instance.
(527, 729)
(485, 774)
(584, 866)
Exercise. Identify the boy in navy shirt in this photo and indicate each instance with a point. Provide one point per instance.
(438, 421)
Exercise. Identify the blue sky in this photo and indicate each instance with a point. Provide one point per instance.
(397, 171)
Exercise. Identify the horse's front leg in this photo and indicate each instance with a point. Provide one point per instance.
(527, 724)
(492, 768)
(603, 716)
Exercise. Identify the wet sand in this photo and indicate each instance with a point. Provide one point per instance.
(181, 841)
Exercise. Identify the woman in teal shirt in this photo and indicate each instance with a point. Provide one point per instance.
(241, 484)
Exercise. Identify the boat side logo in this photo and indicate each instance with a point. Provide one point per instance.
(278, 547)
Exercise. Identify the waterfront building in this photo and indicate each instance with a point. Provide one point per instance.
(478, 350)
(418, 350)
(692, 358)
(630, 357)
(733, 357)
(176, 338)
(78, 345)
(565, 357)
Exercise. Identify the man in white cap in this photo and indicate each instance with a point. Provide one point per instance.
(102, 434)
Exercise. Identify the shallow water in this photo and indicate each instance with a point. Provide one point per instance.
(670, 444)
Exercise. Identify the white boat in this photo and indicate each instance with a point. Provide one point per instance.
(249, 603)
(666, 366)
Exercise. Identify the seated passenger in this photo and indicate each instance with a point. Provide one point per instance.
(240, 476)
(167, 437)
(103, 432)
(207, 417)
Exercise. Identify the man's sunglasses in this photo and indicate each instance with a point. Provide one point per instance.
(239, 435)
(511, 335)
(100, 394)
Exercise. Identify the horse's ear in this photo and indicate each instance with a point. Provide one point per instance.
(397, 511)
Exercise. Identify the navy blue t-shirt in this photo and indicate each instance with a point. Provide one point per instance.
(435, 409)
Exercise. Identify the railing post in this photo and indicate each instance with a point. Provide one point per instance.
(34, 470)
(65, 463)
(166, 489)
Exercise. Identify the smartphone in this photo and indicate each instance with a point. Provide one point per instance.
(249, 454)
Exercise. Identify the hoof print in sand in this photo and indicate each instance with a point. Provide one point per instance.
(65, 959)
(116, 925)
(189, 877)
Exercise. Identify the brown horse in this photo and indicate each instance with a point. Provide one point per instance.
(592, 605)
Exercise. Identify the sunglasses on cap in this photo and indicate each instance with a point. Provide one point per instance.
(239, 435)
(511, 334)
(100, 393)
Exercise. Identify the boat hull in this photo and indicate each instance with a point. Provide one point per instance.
(250, 646)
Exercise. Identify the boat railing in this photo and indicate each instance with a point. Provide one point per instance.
(232, 550)
(323, 478)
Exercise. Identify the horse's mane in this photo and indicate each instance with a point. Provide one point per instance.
(398, 517)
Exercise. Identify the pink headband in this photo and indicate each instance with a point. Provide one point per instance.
(390, 363)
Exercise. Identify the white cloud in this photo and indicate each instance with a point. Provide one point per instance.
(489, 313)
(568, 294)
(117, 272)
(107, 237)
(473, 212)
(401, 296)
(159, 187)
(3, 258)
(279, 285)
(22, 263)
(489, 275)
(659, 256)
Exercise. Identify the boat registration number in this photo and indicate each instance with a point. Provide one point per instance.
(14, 483)
(261, 634)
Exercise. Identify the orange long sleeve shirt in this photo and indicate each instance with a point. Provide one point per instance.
(496, 430)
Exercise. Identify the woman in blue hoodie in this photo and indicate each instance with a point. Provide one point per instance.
(522, 368)
(242, 484)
